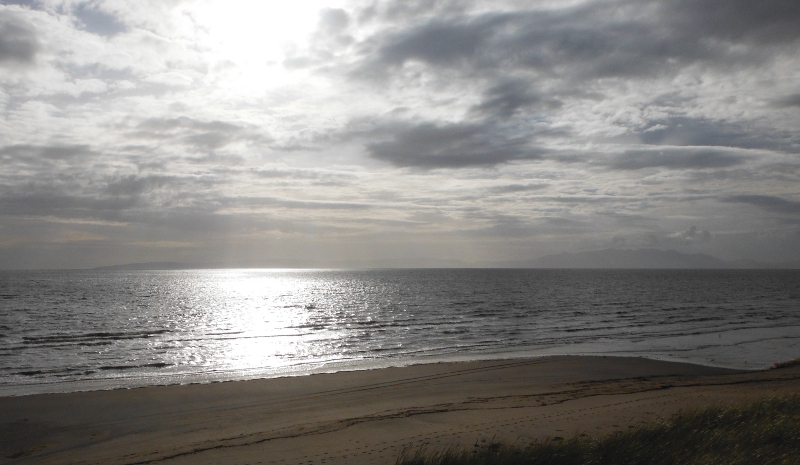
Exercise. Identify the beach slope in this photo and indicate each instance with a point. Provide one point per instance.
(368, 416)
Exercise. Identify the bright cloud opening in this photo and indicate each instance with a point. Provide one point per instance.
(245, 41)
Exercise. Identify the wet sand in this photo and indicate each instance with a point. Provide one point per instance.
(367, 417)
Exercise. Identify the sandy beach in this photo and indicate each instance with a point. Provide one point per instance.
(367, 416)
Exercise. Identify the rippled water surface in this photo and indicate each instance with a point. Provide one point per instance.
(64, 331)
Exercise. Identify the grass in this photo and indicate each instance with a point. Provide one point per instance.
(765, 432)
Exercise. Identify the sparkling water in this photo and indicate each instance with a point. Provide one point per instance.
(84, 330)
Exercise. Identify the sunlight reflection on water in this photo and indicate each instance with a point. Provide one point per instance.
(151, 327)
(255, 318)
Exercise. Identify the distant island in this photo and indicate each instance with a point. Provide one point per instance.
(610, 258)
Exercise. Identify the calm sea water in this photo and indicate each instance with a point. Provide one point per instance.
(76, 330)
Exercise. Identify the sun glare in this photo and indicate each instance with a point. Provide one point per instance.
(246, 41)
(265, 309)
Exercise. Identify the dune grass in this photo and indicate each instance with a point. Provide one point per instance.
(765, 432)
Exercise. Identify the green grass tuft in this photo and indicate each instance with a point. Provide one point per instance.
(766, 432)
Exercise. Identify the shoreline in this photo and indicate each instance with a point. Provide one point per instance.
(367, 416)
(113, 384)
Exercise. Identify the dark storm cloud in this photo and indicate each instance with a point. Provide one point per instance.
(789, 101)
(449, 145)
(412, 9)
(97, 21)
(441, 42)
(766, 21)
(678, 159)
(18, 42)
(505, 98)
(512, 53)
(767, 202)
(598, 39)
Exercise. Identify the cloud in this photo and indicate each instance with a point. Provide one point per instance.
(411, 10)
(18, 41)
(293, 204)
(133, 185)
(164, 126)
(506, 97)
(680, 130)
(112, 197)
(27, 163)
(517, 188)
(57, 203)
(767, 202)
(37, 153)
(28, 3)
(486, 129)
(201, 136)
(592, 40)
(97, 21)
(448, 145)
(537, 66)
(692, 235)
(333, 21)
(790, 101)
(440, 42)
(317, 177)
(676, 158)
(769, 21)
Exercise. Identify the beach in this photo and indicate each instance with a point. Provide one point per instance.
(370, 416)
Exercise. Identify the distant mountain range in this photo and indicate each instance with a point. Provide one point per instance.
(298, 264)
(152, 266)
(644, 259)
(608, 258)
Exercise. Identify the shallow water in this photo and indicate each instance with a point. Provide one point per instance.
(78, 330)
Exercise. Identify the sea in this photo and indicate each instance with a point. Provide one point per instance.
(66, 331)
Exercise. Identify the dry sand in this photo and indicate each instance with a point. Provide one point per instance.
(367, 416)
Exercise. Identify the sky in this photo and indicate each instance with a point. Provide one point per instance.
(396, 133)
